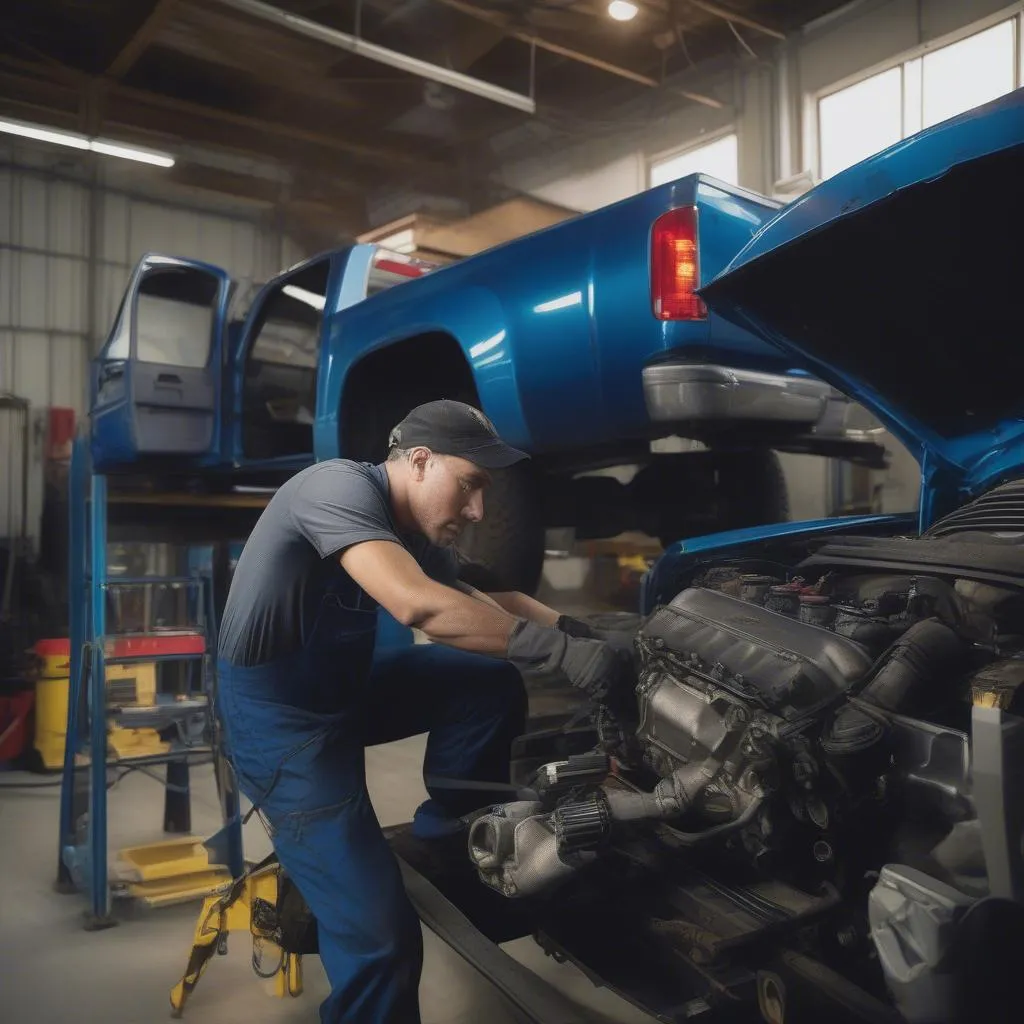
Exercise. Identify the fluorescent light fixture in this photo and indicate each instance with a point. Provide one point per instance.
(485, 346)
(392, 58)
(309, 298)
(76, 141)
(143, 156)
(622, 10)
(31, 131)
(562, 302)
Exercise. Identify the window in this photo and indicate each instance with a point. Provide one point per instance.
(862, 119)
(856, 122)
(967, 74)
(173, 319)
(279, 392)
(718, 158)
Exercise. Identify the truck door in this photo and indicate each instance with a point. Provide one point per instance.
(156, 382)
(274, 369)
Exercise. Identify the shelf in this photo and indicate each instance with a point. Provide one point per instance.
(173, 499)
(129, 647)
(149, 581)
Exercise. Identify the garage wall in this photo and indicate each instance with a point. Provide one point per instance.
(67, 247)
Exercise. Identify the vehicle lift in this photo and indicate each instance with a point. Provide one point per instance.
(105, 735)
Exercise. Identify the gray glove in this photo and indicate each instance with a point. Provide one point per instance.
(621, 640)
(590, 665)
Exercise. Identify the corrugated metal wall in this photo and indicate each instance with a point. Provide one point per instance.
(66, 250)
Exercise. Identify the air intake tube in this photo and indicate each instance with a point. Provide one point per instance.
(918, 663)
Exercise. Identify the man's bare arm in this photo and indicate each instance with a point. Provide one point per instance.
(393, 578)
(524, 607)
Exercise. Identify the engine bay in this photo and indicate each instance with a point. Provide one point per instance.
(793, 762)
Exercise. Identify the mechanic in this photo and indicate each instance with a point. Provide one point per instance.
(301, 690)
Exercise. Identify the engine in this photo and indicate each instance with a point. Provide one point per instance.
(810, 725)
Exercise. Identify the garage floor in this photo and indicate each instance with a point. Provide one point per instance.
(53, 971)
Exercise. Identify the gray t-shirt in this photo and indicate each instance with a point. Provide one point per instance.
(291, 558)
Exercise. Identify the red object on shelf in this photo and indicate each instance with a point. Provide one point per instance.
(14, 714)
(57, 647)
(60, 432)
(154, 646)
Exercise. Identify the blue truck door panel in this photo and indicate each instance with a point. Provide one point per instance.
(156, 382)
(275, 363)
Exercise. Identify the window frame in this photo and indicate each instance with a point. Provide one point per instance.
(708, 139)
(811, 143)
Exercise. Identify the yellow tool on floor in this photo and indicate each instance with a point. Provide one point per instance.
(264, 903)
(169, 872)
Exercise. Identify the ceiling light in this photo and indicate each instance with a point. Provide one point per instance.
(309, 298)
(622, 10)
(75, 141)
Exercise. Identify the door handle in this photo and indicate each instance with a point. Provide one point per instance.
(168, 380)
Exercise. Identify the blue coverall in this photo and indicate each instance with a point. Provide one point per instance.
(296, 728)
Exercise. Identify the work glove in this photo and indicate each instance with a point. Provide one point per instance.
(621, 640)
(590, 665)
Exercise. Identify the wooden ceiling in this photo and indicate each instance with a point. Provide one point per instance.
(201, 78)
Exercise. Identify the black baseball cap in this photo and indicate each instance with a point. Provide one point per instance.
(454, 428)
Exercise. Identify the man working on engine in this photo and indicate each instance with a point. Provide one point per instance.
(301, 691)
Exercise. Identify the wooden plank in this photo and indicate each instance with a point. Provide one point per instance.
(737, 19)
(141, 39)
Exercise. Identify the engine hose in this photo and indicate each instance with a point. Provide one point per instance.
(716, 831)
(928, 650)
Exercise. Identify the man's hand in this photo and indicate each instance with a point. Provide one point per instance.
(593, 666)
(621, 640)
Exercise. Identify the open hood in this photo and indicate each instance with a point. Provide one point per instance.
(899, 281)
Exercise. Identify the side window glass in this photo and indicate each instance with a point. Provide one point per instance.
(174, 313)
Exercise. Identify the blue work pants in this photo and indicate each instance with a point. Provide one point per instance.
(296, 729)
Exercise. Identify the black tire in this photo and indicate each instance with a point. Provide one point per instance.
(752, 489)
(688, 495)
(506, 550)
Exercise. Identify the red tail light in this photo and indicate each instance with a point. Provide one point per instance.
(675, 267)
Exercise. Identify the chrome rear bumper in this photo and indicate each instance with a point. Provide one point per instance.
(687, 392)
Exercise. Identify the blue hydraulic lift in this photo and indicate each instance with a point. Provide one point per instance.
(83, 843)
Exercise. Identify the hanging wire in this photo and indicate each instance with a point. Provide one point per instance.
(746, 46)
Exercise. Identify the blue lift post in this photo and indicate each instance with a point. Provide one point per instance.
(82, 854)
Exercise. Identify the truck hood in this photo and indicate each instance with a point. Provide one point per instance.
(898, 281)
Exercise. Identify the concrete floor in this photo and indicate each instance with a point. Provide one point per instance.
(52, 971)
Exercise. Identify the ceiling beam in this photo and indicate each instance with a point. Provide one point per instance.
(505, 23)
(339, 142)
(141, 38)
(381, 54)
(737, 19)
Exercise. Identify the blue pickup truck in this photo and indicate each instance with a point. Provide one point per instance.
(583, 343)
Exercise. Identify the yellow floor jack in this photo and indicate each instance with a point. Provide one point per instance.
(265, 903)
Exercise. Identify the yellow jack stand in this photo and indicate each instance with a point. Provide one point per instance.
(242, 905)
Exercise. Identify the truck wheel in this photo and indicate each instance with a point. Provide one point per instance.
(752, 489)
(695, 493)
(506, 550)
